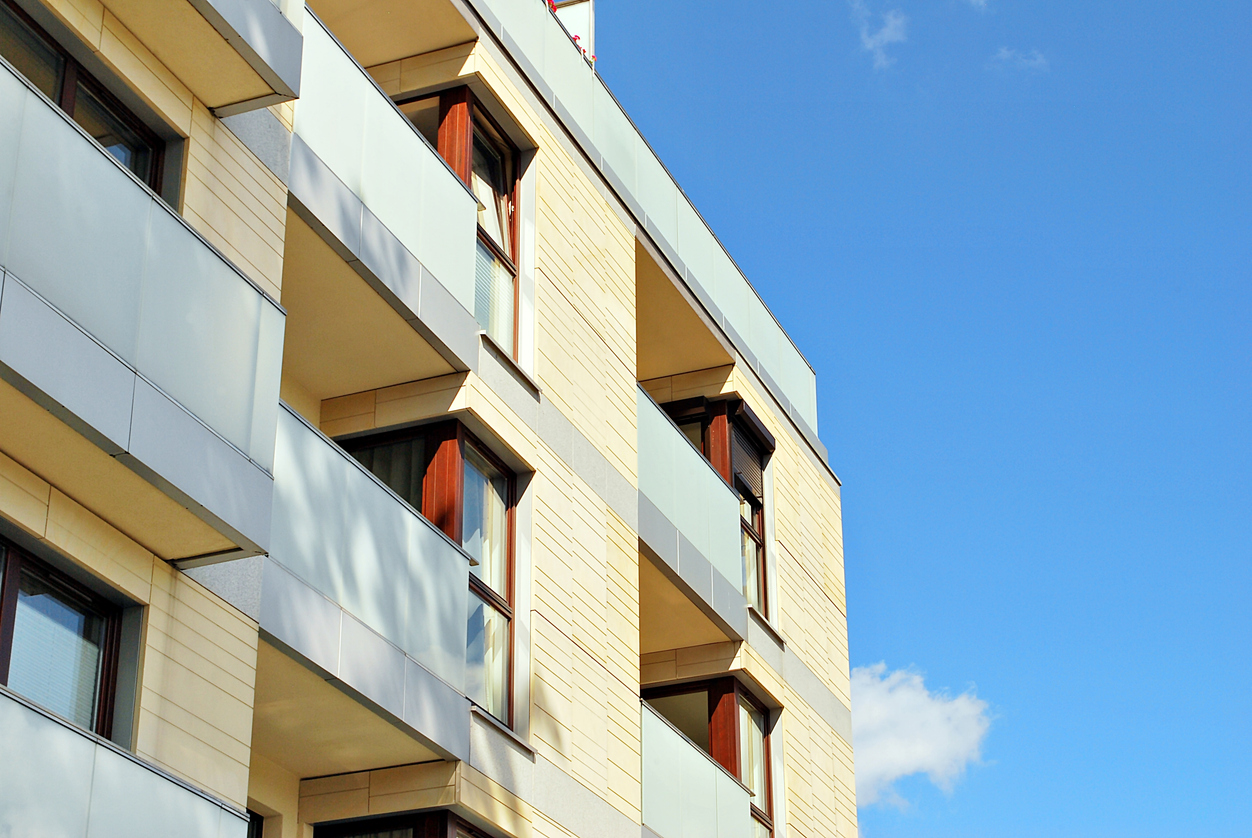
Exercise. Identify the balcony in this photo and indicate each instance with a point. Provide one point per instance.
(689, 521)
(56, 779)
(116, 317)
(686, 794)
(380, 197)
(234, 55)
(366, 590)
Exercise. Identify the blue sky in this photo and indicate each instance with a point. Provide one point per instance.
(1015, 241)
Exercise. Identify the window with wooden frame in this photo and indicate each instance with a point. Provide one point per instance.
(736, 443)
(731, 726)
(58, 641)
(437, 824)
(445, 473)
(51, 69)
(476, 148)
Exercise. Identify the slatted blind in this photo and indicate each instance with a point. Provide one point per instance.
(745, 459)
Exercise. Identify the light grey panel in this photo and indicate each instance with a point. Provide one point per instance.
(131, 801)
(556, 430)
(80, 238)
(763, 641)
(817, 695)
(259, 32)
(729, 602)
(198, 329)
(269, 370)
(451, 322)
(166, 439)
(232, 825)
(588, 463)
(371, 666)
(13, 96)
(506, 384)
(437, 711)
(496, 754)
(391, 264)
(375, 555)
(695, 569)
(45, 775)
(238, 582)
(622, 497)
(325, 202)
(576, 807)
(657, 532)
(437, 607)
(300, 617)
(66, 367)
(266, 137)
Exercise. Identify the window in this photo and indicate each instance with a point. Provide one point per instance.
(256, 824)
(58, 641)
(478, 151)
(731, 726)
(453, 480)
(63, 80)
(737, 445)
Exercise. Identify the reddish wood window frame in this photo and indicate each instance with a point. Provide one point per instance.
(443, 504)
(436, 824)
(16, 561)
(718, 420)
(460, 118)
(75, 74)
(724, 745)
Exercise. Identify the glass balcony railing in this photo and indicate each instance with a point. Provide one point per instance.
(354, 128)
(686, 489)
(56, 779)
(685, 793)
(343, 532)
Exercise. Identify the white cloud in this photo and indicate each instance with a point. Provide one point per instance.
(894, 30)
(899, 728)
(1032, 60)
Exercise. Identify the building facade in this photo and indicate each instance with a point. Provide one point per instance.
(388, 447)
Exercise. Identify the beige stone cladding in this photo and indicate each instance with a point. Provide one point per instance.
(228, 195)
(198, 656)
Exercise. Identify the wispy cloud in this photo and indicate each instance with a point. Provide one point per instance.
(1022, 60)
(894, 30)
(900, 728)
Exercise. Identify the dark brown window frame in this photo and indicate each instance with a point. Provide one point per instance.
(724, 734)
(461, 115)
(443, 504)
(718, 419)
(17, 561)
(75, 74)
(436, 824)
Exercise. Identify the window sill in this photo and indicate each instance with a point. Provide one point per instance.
(508, 732)
(767, 626)
(507, 360)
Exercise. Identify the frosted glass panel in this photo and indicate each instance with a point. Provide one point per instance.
(493, 297)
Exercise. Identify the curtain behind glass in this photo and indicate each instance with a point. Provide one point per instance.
(486, 658)
(752, 752)
(485, 527)
(56, 652)
(493, 296)
(400, 465)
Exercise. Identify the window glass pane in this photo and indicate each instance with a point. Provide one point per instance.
(100, 121)
(689, 712)
(487, 657)
(752, 567)
(424, 114)
(400, 465)
(485, 527)
(752, 752)
(30, 54)
(56, 651)
(490, 182)
(493, 297)
(759, 830)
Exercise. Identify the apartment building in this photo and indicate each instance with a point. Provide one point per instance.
(388, 447)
